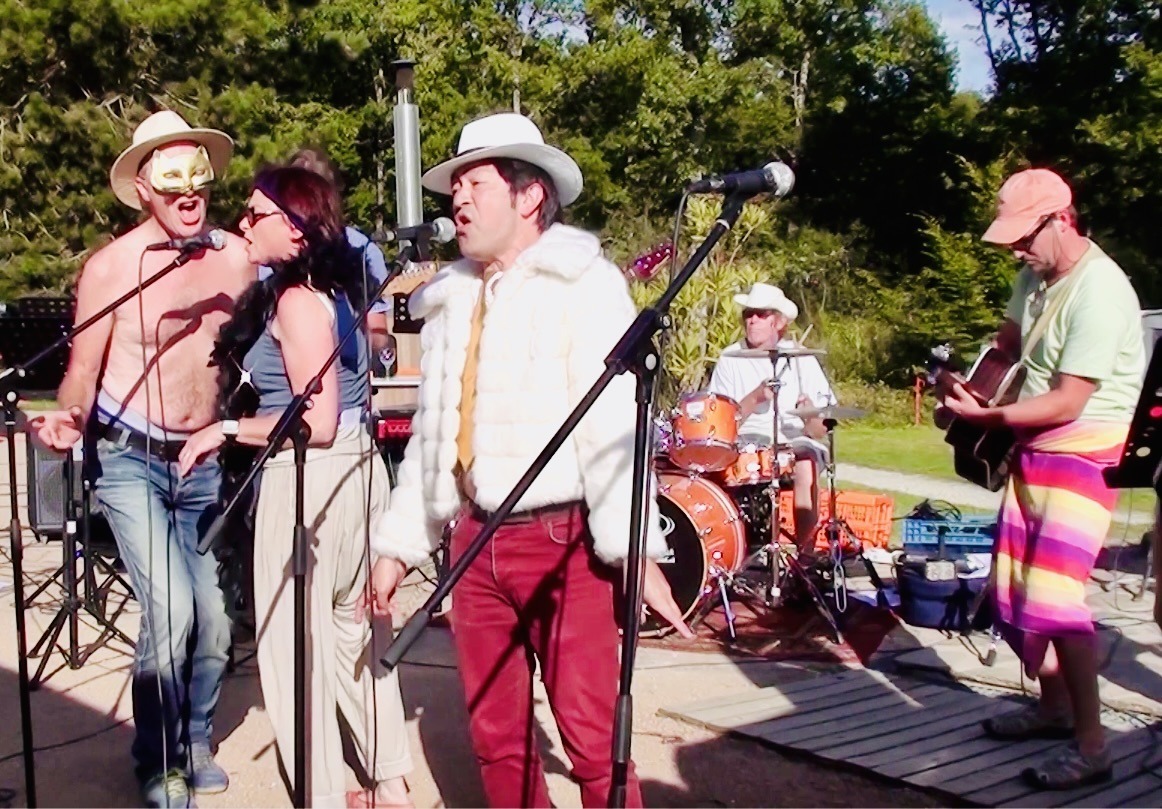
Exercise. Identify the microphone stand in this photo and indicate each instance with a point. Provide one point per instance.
(291, 425)
(635, 352)
(10, 378)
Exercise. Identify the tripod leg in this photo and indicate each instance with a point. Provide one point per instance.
(794, 568)
(51, 635)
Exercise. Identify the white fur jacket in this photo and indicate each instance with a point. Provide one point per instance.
(550, 320)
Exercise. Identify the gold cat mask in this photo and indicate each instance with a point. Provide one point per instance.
(181, 174)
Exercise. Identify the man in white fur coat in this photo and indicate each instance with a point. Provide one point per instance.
(514, 334)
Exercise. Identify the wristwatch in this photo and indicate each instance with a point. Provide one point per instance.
(230, 428)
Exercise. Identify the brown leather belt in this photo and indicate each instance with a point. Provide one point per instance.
(167, 451)
(520, 517)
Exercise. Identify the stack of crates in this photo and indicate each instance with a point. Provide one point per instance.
(868, 515)
(960, 536)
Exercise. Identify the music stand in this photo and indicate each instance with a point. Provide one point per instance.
(22, 335)
(1140, 466)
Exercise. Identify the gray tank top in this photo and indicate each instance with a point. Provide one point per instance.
(268, 371)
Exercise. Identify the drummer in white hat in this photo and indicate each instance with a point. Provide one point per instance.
(766, 313)
(140, 380)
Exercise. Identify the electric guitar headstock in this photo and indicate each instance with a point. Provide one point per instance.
(645, 266)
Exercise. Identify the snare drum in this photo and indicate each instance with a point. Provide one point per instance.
(759, 463)
(705, 430)
(704, 535)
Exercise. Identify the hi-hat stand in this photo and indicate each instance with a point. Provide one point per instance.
(292, 426)
(10, 380)
(635, 352)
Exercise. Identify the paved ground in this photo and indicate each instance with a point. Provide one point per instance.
(959, 493)
(83, 730)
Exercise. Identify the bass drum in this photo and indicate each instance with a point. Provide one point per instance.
(705, 534)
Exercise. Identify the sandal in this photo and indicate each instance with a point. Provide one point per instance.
(1069, 768)
(1028, 723)
(365, 799)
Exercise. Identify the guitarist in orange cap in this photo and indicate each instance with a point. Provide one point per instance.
(1075, 323)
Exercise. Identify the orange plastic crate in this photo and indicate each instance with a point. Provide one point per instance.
(869, 515)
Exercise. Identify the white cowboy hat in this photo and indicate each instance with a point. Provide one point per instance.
(508, 134)
(154, 132)
(769, 298)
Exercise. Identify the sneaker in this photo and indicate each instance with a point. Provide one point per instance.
(167, 790)
(1069, 768)
(1028, 723)
(207, 778)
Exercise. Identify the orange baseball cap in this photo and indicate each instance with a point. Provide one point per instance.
(1024, 199)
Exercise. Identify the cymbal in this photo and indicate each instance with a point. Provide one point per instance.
(774, 353)
(838, 413)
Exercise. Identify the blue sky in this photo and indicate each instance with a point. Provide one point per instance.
(961, 26)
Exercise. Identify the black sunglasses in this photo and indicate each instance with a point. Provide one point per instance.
(1023, 244)
(252, 216)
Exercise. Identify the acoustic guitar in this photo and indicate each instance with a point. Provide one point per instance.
(981, 455)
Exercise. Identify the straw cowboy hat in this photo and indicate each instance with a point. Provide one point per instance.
(768, 298)
(510, 135)
(154, 132)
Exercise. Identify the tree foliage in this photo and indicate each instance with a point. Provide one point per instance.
(896, 171)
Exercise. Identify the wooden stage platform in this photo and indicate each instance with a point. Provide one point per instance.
(926, 732)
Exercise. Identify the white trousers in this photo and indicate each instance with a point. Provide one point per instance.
(344, 674)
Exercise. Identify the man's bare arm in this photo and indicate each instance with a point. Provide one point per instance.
(87, 357)
(377, 328)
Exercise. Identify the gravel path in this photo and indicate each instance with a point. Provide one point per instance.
(962, 493)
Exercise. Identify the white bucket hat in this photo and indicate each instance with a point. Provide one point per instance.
(769, 298)
(510, 135)
(154, 132)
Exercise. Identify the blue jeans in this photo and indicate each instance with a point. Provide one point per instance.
(157, 517)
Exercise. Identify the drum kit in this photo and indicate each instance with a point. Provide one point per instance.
(719, 504)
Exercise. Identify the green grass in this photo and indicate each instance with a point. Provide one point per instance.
(918, 450)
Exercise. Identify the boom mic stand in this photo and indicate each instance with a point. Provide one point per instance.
(9, 399)
(291, 425)
(635, 352)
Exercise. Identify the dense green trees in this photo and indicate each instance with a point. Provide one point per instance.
(896, 170)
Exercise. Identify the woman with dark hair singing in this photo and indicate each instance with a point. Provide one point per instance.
(282, 332)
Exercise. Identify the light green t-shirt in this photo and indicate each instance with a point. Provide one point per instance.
(1095, 334)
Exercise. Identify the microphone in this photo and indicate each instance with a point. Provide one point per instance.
(213, 240)
(440, 230)
(775, 178)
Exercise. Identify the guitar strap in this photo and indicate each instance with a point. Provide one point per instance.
(1050, 311)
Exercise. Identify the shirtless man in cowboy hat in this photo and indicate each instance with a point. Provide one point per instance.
(515, 333)
(141, 378)
(766, 314)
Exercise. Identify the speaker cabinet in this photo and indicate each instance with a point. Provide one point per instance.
(46, 487)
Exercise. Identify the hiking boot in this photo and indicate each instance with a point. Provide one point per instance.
(1069, 768)
(167, 790)
(1028, 723)
(207, 777)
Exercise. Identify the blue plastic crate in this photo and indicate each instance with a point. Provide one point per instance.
(966, 535)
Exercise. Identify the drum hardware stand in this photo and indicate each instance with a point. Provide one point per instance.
(634, 352)
(783, 565)
(835, 528)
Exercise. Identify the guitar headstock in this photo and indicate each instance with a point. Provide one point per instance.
(939, 363)
(645, 266)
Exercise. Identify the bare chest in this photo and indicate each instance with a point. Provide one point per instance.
(178, 309)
